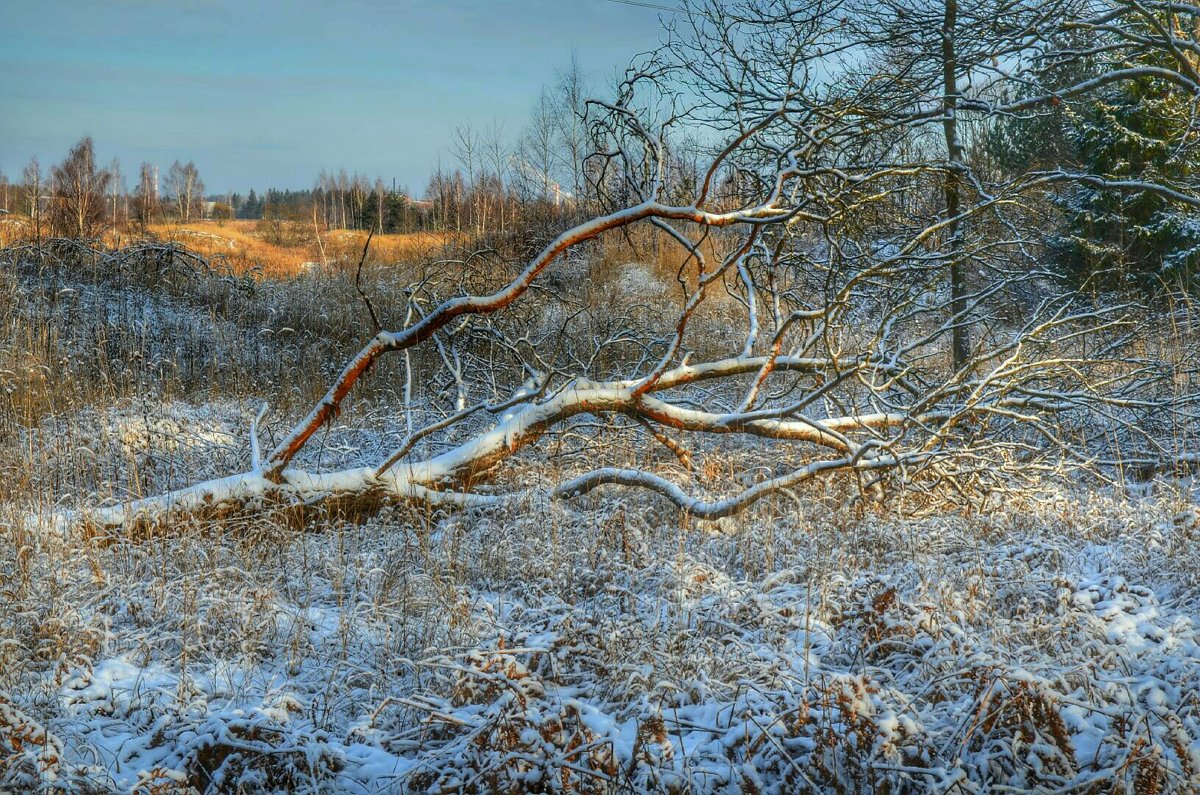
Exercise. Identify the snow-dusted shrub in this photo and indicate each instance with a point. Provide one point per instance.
(499, 733)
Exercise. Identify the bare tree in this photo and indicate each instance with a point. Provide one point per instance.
(322, 192)
(31, 179)
(571, 91)
(186, 190)
(498, 158)
(448, 193)
(78, 190)
(379, 193)
(117, 197)
(145, 197)
(810, 308)
(464, 143)
(343, 190)
(465, 146)
(537, 156)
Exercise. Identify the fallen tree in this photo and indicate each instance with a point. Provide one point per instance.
(871, 304)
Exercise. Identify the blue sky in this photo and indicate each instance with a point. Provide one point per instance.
(269, 93)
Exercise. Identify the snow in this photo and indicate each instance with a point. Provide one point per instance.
(910, 652)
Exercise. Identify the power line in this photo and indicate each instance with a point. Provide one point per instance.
(672, 9)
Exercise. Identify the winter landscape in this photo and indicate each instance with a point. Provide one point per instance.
(805, 401)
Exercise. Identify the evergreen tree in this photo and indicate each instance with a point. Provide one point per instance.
(1133, 131)
(1139, 131)
(252, 209)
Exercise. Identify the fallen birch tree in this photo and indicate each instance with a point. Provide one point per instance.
(867, 301)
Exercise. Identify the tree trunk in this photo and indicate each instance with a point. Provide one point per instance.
(960, 341)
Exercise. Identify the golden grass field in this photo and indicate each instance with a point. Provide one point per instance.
(257, 246)
(246, 244)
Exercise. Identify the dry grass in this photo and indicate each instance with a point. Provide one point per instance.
(277, 250)
(236, 241)
(13, 228)
(286, 249)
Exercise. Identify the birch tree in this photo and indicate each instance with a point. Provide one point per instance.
(32, 183)
(186, 190)
(145, 197)
(78, 189)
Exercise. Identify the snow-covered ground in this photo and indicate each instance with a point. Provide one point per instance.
(557, 649)
(599, 646)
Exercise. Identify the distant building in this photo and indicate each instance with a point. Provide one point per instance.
(206, 210)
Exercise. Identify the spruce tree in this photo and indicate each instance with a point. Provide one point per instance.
(1118, 239)
(1136, 130)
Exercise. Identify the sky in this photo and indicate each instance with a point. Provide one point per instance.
(263, 94)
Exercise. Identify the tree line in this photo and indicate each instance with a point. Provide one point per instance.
(493, 182)
(1135, 131)
(81, 199)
